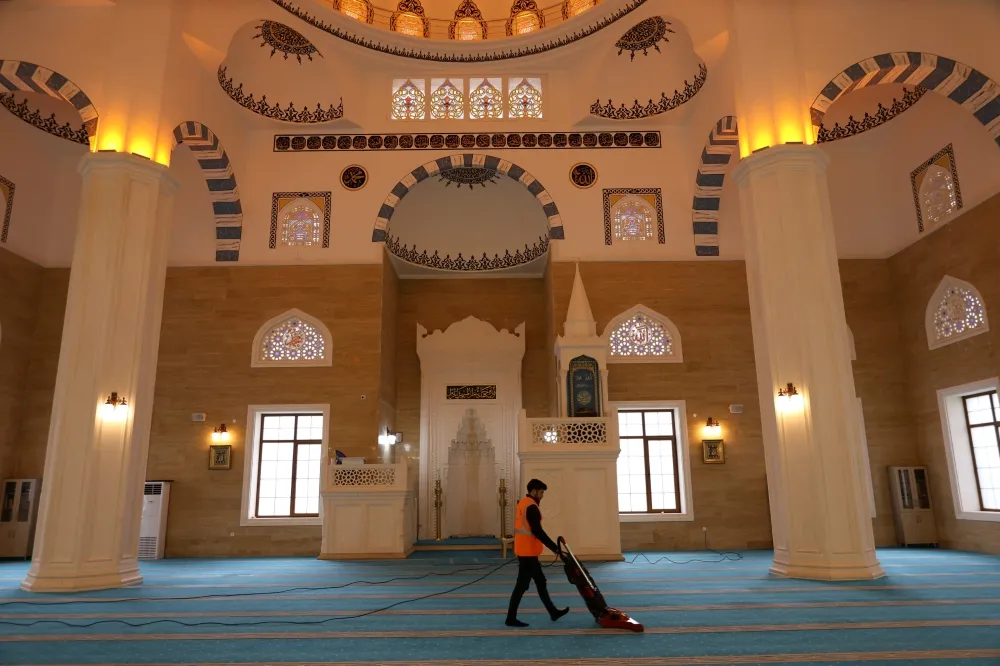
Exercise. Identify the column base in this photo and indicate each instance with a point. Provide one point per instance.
(60, 579)
(827, 571)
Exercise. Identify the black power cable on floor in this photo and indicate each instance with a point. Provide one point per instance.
(723, 556)
(256, 622)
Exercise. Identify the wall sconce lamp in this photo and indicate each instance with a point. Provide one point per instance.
(114, 408)
(712, 427)
(220, 434)
(789, 397)
(389, 438)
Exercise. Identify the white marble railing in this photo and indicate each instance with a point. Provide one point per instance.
(542, 433)
(368, 478)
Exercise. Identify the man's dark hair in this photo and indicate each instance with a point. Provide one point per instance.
(535, 484)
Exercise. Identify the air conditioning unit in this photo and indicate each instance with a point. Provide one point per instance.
(911, 506)
(153, 529)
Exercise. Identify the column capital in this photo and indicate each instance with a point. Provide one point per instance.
(135, 165)
(784, 154)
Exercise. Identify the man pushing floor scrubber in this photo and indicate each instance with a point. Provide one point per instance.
(529, 541)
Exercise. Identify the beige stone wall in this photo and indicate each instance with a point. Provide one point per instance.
(965, 249)
(19, 285)
(879, 379)
(708, 303)
(210, 317)
(387, 348)
(436, 304)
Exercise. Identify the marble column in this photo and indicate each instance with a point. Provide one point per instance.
(88, 524)
(819, 510)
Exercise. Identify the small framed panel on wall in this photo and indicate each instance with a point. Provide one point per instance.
(583, 386)
(713, 451)
(220, 456)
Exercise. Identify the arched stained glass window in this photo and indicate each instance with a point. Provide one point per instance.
(447, 100)
(571, 8)
(485, 100)
(641, 335)
(524, 17)
(937, 195)
(408, 99)
(468, 22)
(361, 10)
(292, 338)
(409, 19)
(301, 224)
(955, 312)
(525, 98)
(634, 219)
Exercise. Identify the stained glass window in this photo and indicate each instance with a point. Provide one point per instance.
(958, 313)
(524, 22)
(408, 99)
(571, 8)
(358, 9)
(525, 98)
(301, 226)
(634, 219)
(937, 195)
(468, 29)
(447, 100)
(485, 100)
(293, 340)
(640, 335)
(410, 24)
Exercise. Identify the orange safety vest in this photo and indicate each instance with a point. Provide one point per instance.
(526, 544)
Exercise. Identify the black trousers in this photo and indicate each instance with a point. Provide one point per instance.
(529, 569)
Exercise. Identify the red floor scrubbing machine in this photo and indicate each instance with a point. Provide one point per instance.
(607, 617)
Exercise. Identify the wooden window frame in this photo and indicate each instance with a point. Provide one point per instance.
(968, 429)
(645, 455)
(296, 442)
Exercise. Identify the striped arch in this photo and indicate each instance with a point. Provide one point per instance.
(29, 77)
(430, 169)
(956, 81)
(723, 143)
(221, 181)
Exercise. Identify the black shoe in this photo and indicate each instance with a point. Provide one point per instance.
(558, 614)
(514, 622)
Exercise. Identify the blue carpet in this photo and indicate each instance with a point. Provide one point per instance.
(935, 607)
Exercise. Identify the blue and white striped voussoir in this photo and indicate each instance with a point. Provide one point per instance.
(958, 82)
(222, 187)
(26, 76)
(434, 167)
(723, 143)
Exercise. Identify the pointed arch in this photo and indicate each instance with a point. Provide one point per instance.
(292, 339)
(717, 155)
(642, 335)
(222, 187)
(509, 169)
(962, 84)
(956, 311)
(467, 23)
(29, 77)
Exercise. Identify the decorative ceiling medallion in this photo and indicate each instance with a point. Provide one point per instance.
(854, 127)
(264, 108)
(50, 124)
(583, 175)
(644, 35)
(354, 177)
(467, 9)
(434, 260)
(282, 38)
(436, 56)
(388, 142)
(468, 176)
(653, 108)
